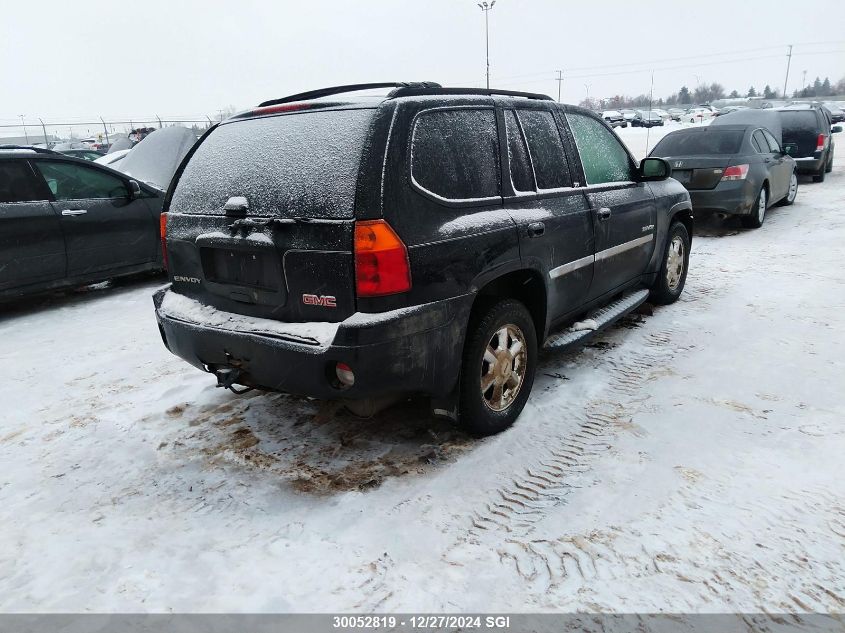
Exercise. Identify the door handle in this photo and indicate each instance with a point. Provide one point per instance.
(74, 211)
(536, 229)
(604, 213)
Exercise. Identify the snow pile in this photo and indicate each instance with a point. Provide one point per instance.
(587, 324)
(184, 308)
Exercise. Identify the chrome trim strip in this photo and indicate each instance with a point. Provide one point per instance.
(621, 248)
(569, 267)
(560, 271)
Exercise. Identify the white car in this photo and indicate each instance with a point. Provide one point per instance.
(697, 115)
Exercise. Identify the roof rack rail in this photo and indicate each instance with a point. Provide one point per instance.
(31, 148)
(413, 90)
(335, 90)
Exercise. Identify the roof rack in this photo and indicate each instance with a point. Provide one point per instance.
(413, 90)
(403, 89)
(39, 150)
(335, 90)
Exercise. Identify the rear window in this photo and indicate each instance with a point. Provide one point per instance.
(798, 122)
(700, 143)
(296, 165)
(455, 153)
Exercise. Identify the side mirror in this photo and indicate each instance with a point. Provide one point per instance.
(134, 189)
(652, 169)
(836, 129)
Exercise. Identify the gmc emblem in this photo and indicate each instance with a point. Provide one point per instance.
(325, 301)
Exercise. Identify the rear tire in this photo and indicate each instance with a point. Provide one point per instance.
(758, 211)
(673, 271)
(829, 167)
(819, 176)
(792, 192)
(499, 362)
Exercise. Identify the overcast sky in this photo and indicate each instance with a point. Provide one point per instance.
(177, 58)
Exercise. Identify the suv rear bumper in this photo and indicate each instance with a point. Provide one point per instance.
(412, 350)
(809, 165)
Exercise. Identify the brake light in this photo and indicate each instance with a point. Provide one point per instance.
(820, 142)
(163, 232)
(735, 172)
(381, 260)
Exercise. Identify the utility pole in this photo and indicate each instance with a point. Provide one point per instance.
(44, 129)
(26, 136)
(803, 81)
(486, 8)
(587, 89)
(788, 62)
(559, 83)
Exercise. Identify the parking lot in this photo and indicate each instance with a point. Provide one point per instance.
(688, 459)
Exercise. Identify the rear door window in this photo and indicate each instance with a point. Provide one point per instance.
(17, 183)
(602, 155)
(521, 176)
(70, 181)
(455, 153)
(294, 165)
(772, 143)
(700, 143)
(545, 148)
(760, 143)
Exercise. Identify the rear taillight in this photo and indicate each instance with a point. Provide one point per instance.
(381, 260)
(163, 233)
(820, 142)
(735, 172)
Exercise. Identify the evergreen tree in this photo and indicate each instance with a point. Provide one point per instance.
(734, 94)
(684, 95)
(752, 92)
(826, 89)
(767, 92)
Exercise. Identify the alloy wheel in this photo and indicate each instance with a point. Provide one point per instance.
(793, 187)
(503, 367)
(675, 263)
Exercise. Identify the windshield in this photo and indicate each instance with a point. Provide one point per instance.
(698, 144)
(296, 165)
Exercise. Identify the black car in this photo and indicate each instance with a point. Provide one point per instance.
(67, 221)
(808, 136)
(646, 118)
(427, 242)
(731, 169)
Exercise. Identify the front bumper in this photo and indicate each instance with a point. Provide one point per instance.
(413, 350)
(734, 197)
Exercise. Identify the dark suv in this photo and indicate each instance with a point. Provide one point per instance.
(427, 242)
(808, 138)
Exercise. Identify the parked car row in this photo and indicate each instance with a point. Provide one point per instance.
(749, 159)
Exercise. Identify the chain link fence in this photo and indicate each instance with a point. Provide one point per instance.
(46, 133)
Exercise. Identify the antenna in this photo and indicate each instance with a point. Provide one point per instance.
(650, 99)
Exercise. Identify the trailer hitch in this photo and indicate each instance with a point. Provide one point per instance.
(227, 377)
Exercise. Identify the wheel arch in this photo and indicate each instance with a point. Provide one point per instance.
(524, 284)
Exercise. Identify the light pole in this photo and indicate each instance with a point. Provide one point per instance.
(26, 136)
(587, 89)
(486, 8)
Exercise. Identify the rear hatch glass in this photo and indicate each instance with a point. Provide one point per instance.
(296, 165)
(800, 128)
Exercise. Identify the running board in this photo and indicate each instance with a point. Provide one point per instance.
(601, 318)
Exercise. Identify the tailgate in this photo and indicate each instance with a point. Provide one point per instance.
(273, 268)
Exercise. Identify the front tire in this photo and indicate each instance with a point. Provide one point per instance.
(758, 212)
(673, 271)
(499, 362)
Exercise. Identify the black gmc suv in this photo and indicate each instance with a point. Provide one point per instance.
(426, 242)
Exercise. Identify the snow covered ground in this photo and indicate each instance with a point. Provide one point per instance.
(689, 460)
